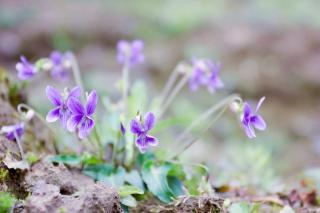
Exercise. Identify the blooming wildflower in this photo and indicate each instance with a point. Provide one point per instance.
(205, 73)
(60, 65)
(81, 118)
(141, 129)
(251, 120)
(130, 53)
(60, 110)
(25, 70)
(13, 130)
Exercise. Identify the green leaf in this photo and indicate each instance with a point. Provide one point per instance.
(126, 190)
(175, 185)
(98, 171)
(129, 201)
(67, 159)
(134, 178)
(156, 180)
(115, 179)
(6, 201)
(88, 159)
(142, 158)
(32, 158)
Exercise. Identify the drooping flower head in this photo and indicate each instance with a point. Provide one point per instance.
(81, 118)
(60, 65)
(251, 120)
(13, 131)
(60, 111)
(141, 128)
(130, 52)
(25, 69)
(205, 73)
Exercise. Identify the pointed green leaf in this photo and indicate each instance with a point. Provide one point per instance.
(115, 179)
(98, 171)
(134, 178)
(156, 180)
(70, 159)
(129, 201)
(126, 190)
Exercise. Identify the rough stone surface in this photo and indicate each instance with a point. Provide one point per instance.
(55, 188)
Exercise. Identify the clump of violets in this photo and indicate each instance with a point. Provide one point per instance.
(250, 119)
(60, 111)
(130, 53)
(205, 73)
(140, 127)
(81, 119)
(13, 131)
(25, 69)
(60, 65)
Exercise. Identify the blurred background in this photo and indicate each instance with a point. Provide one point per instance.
(266, 47)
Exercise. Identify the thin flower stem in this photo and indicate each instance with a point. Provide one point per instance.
(207, 114)
(173, 94)
(77, 74)
(19, 145)
(28, 108)
(169, 85)
(125, 84)
(222, 104)
(79, 82)
(100, 146)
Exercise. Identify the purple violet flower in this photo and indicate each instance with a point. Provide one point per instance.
(81, 118)
(141, 129)
(60, 110)
(11, 130)
(205, 73)
(25, 69)
(130, 53)
(61, 67)
(251, 120)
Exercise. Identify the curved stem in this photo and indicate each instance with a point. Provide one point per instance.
(173, 94)
(169, 85)
(99, 144)
(28, 108)
(222, 104)
(207, 114)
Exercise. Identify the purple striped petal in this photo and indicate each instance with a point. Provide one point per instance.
(73, 122)
(149, 121)
(75, 106)
(54, 96)
(136, 127)
(258, 122)
(249, 131)
(85, 128)
(246, 110)
(91, 102)
(141, 144)
(53, 115)
(75, 92)
(152, 141)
